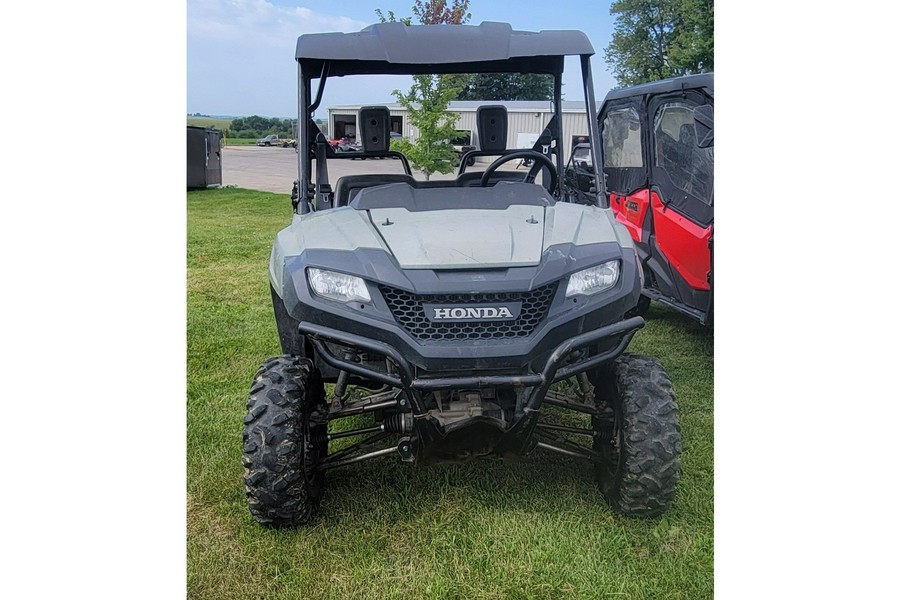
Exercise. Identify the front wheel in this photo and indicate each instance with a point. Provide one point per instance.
(285, 442)
(637, 435)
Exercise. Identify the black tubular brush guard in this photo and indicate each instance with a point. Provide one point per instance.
(413, 387)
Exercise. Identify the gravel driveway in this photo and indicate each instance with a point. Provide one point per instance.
(275, 169)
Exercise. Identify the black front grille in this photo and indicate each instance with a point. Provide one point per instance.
(409, 312)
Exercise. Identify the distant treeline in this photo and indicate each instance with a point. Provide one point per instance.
(253, 127)
(257, 127)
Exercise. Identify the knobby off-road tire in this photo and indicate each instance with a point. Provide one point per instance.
(284, 442)
(638, 412)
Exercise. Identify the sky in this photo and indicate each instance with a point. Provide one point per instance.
(240, 53)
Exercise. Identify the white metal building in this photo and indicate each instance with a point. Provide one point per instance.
(527, 119)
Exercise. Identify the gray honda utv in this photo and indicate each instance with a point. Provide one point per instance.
(443, 311)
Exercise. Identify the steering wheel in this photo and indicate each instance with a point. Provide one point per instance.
(540, 160)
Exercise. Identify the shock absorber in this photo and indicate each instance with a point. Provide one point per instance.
(340, 387)
(585, 387)
(605, 423)
(605, 434)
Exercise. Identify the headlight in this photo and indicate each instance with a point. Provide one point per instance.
(338, 286)
(594, 280)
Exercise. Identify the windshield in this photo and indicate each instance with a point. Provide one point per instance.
(525, 122)
(385, 133)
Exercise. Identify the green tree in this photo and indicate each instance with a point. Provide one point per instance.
(432, 13)
(507, 86)
(256, 126)
(426, 103)
(430, 95)
(692, 49)
(437, 11)
(657, 39)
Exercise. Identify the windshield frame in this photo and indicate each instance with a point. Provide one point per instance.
(316, 68)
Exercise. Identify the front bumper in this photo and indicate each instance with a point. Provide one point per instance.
(614, 338)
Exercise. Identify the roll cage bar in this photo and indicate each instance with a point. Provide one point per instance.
(397, 49)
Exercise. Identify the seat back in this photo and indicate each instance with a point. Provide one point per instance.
(473, 179)
(492, 122)
(374, 125)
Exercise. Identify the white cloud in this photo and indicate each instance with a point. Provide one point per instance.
(260, 22)
(240, 54)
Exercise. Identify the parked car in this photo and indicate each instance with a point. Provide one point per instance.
(345, 146)
(269, 140)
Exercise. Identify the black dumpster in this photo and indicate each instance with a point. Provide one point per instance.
(204, 157)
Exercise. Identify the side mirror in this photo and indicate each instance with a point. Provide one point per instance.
(704, 125)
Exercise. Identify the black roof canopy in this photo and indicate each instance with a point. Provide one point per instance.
(394, 48)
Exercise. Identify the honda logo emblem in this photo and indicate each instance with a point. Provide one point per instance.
(442, 312)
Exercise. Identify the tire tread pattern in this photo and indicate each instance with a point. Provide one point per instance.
(281, 483)
(650, 453)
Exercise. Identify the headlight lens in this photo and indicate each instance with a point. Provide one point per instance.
(338, 286)
(594, 280)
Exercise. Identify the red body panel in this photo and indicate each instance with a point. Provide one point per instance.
(685, 244)
(631, 210)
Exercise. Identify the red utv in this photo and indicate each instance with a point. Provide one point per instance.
(657, 145)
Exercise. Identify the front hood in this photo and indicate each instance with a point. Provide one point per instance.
(517, 235)
(462, 238)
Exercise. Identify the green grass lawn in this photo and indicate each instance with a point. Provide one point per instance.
(220, 124)
(535, 528)
(233, 141)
